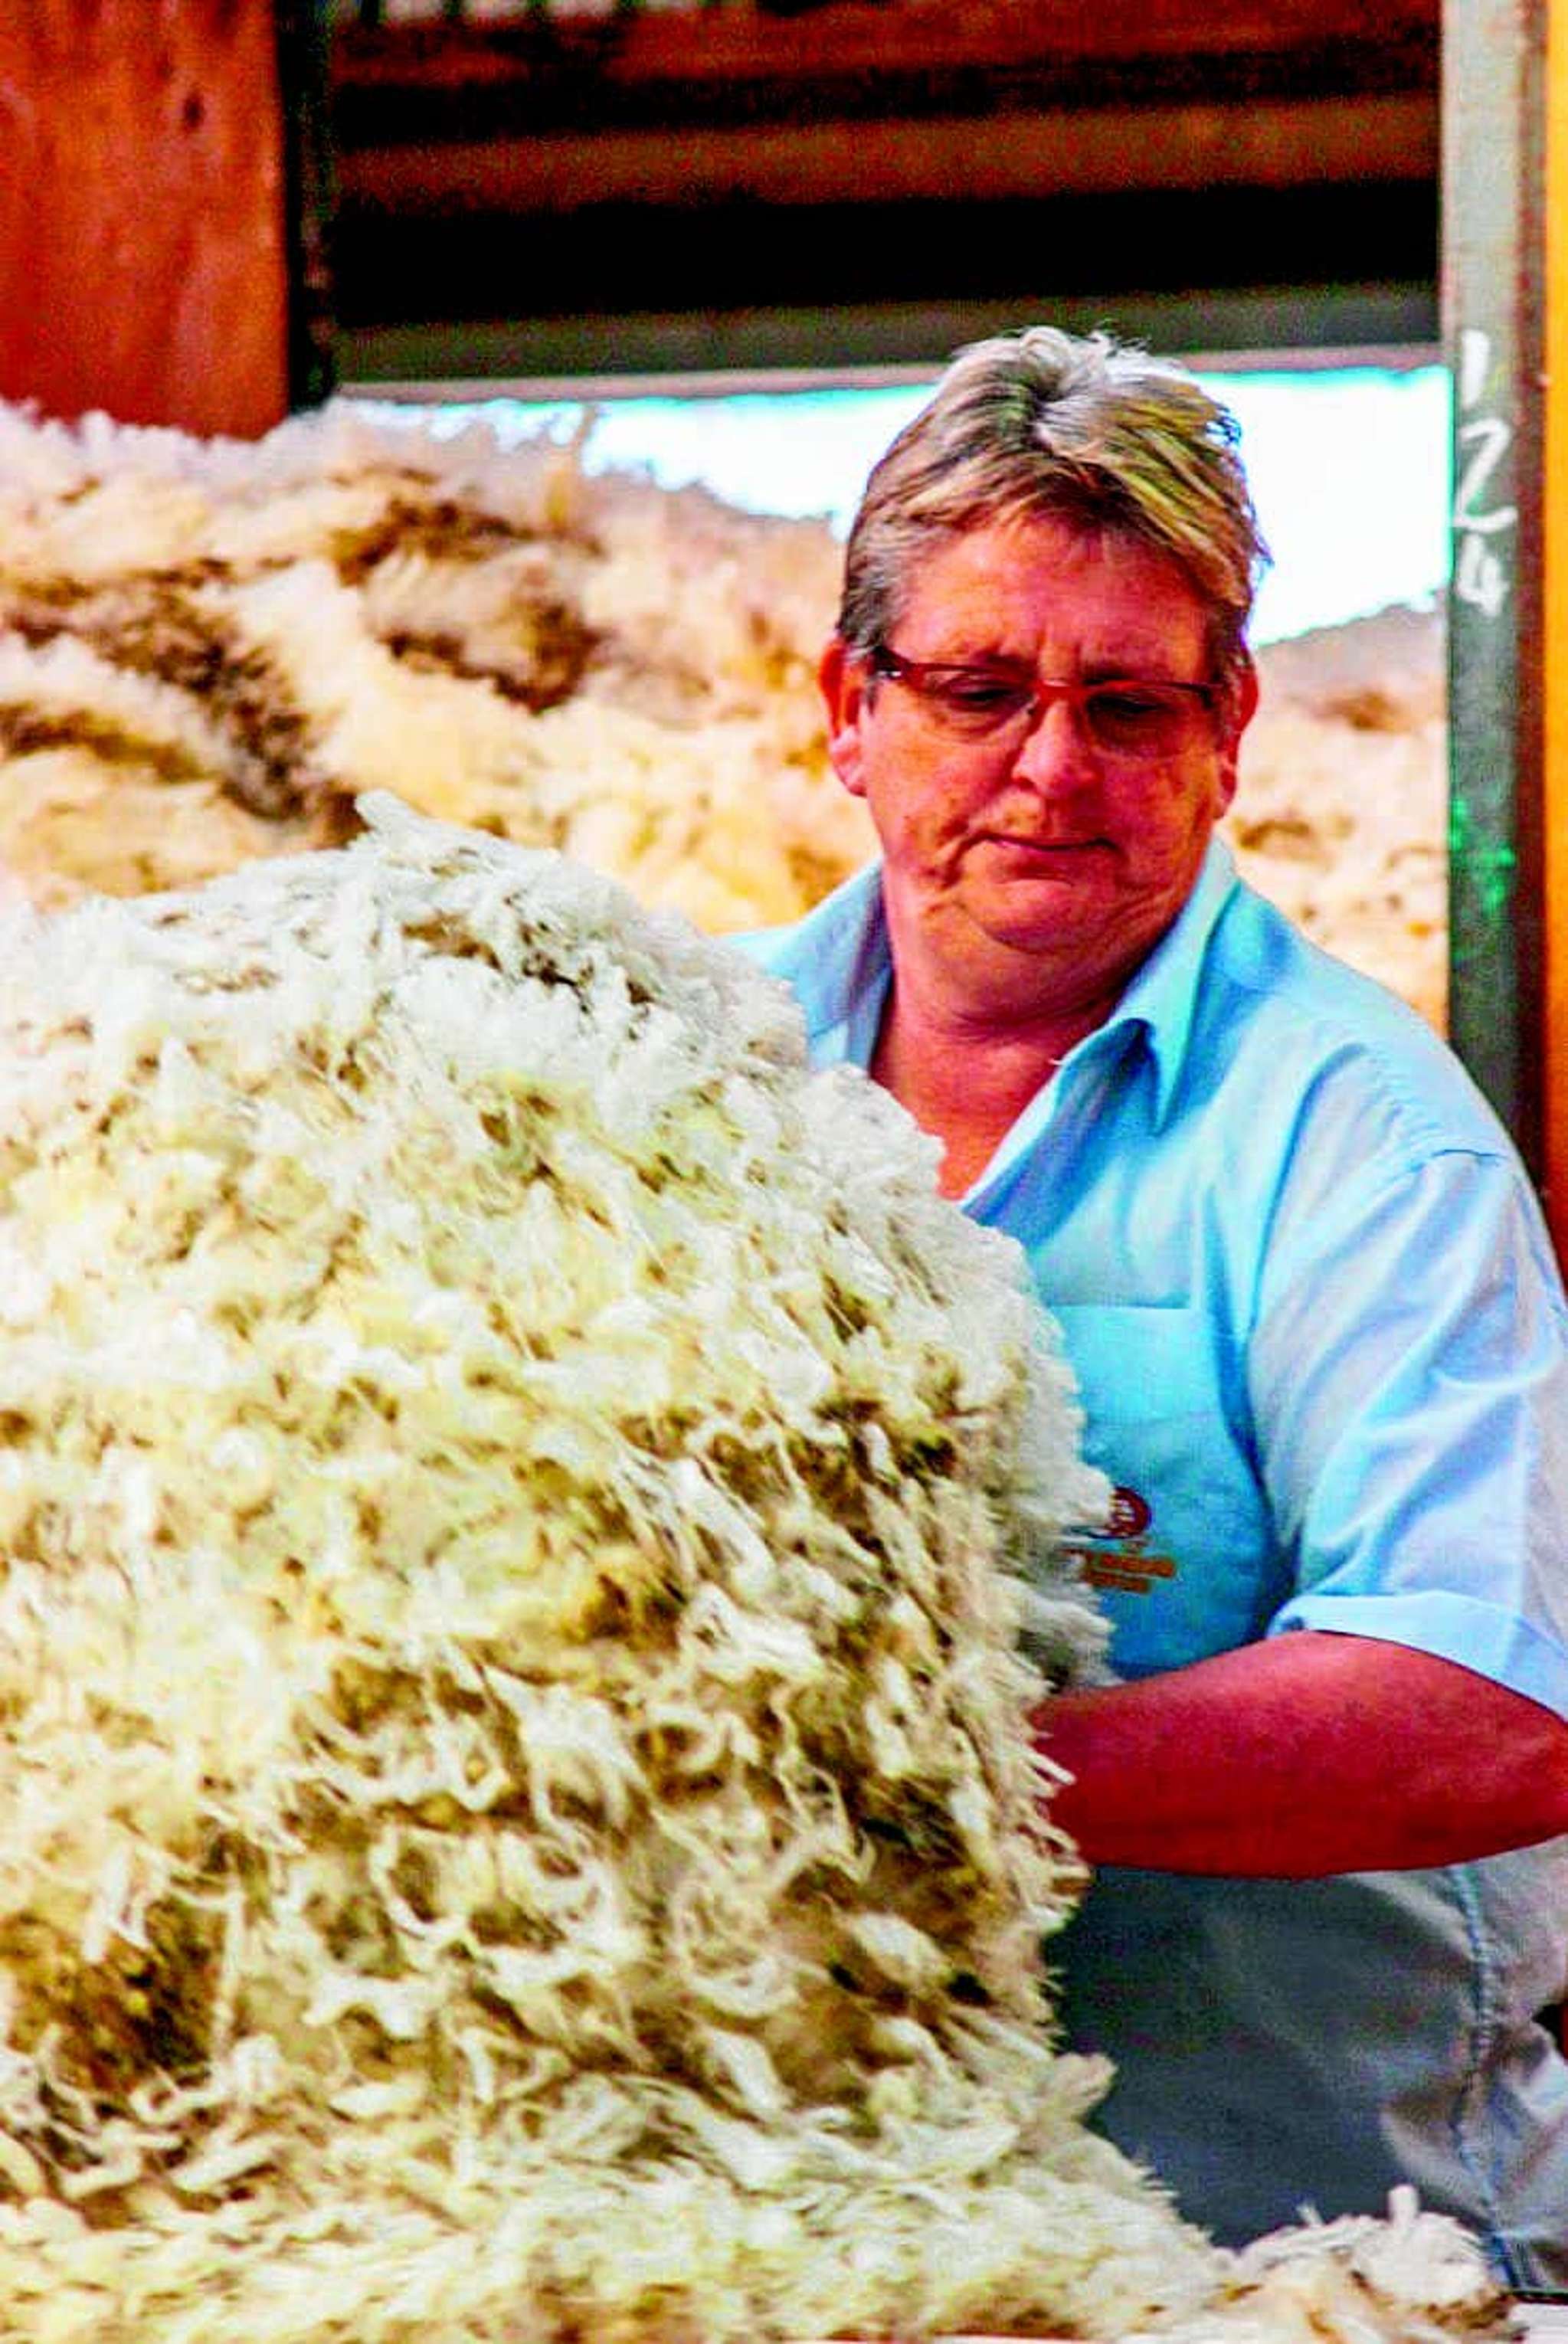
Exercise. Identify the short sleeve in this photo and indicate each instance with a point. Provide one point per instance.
(1408, 1370)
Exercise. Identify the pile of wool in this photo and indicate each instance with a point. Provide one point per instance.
(1342, 813)
(208, 649)
(522, 1514)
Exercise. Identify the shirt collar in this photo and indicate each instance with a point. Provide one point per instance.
(1162, 1000)
(837, 961)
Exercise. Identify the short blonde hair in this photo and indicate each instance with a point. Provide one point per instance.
(1083, 429)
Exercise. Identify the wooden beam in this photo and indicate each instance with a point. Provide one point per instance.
(1109, 150)
(733, 47)
(687, 353)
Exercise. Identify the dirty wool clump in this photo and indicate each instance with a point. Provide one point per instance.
(522, 1507)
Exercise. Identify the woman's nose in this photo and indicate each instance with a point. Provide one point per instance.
(1055, 751)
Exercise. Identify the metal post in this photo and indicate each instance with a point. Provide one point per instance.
(1492, 276)
(1555, 633)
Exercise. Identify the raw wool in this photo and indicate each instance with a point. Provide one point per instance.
(511, 1701)
(504, 639)
(521, 1500)
(207, 650)
(1410, 2279)
(1342, 815)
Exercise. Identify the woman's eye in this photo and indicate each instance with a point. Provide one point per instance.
(985, 696)
(1130, 707)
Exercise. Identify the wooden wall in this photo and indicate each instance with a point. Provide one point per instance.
(845, 183)
(143, 246)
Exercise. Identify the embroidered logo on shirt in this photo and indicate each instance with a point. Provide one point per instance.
(1119, 1556)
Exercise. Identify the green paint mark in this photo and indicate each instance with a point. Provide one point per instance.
(1459, 828)
(1487, 868)
(1491, 871)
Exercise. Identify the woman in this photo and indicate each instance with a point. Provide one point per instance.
(1320, 1340)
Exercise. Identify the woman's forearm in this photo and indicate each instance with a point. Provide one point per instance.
(1308, 1754)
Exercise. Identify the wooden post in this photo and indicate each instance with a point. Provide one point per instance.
(305, 32)
(144, 267)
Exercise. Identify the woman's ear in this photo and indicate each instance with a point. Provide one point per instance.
(1243, 707)
(842, 676)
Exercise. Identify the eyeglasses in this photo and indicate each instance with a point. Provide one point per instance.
(1123, 715)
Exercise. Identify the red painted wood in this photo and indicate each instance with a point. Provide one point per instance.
(142, 223)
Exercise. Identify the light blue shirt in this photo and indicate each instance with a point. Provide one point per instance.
(1323, 1347)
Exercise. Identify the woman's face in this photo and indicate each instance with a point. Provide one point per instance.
(1027, 859)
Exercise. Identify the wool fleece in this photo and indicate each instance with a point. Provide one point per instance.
(530, 1536)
